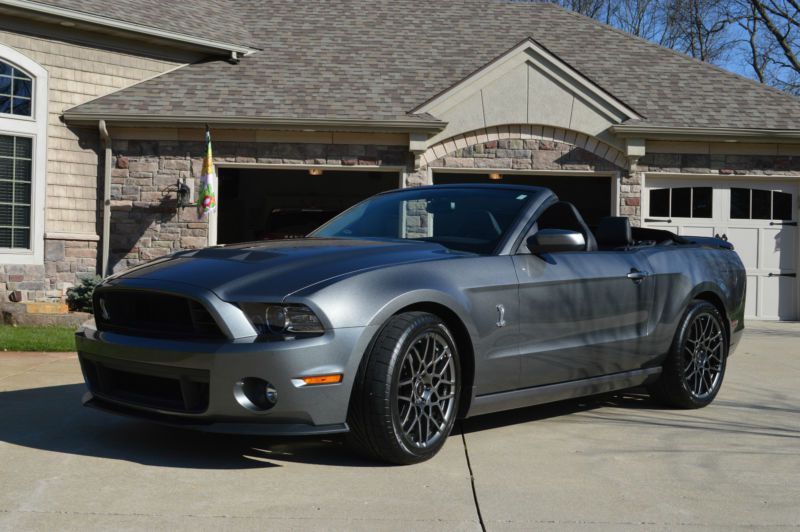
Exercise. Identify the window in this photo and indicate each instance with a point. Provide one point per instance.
(23, 157)
(757, 204)
(16, 91)
(682, 202)
(15, 192)
(466, 219)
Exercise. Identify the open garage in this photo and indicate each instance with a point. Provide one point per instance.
(591, 194)
(263, 203)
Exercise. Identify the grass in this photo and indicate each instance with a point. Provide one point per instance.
(32, 338)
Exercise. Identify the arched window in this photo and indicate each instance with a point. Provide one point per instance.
(16, 91)
(23, 157)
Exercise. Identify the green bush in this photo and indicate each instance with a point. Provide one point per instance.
(80, 297)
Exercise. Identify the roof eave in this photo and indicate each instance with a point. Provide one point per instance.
(311, 124)
(721, 134)
(127, 27)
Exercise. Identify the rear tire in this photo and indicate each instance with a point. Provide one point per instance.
(405, 398)
(693, 371)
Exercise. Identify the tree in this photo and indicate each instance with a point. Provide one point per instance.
(760, 38)
(773, 31)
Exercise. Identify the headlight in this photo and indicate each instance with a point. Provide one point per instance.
(284, 320)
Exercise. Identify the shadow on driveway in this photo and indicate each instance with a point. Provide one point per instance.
(53, 419)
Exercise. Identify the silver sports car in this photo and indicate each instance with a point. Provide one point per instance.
(410, 310)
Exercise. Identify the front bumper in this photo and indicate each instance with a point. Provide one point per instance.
(191, 384)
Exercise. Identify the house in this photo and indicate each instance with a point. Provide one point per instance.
(315, 105)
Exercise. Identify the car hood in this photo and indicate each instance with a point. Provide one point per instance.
(258, 270)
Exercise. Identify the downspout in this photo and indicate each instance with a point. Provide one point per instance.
(106, 138)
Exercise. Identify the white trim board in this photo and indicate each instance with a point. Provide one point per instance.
(34, 127)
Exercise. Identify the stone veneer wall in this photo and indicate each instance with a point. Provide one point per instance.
(531, 154)
(752, 165)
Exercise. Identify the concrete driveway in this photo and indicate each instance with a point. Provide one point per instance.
(614, 462)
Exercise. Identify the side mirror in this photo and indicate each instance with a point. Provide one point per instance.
(552, 240)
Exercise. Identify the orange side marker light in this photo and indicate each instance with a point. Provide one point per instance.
(323, 379)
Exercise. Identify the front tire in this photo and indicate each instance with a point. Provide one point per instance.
(695, 366)
(405, 399)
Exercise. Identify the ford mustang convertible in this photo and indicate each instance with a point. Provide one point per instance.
(410, 310)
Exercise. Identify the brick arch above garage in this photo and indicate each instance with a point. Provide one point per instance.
(524, 147)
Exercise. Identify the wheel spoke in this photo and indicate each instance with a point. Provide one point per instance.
(446, 367)
(442, 355)
(407, 417)
(430, 347)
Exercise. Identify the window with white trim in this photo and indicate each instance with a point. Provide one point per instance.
(15, 191)
(23, 157)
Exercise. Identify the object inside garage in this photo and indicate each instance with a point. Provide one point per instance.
(265, 204)
(590, 194)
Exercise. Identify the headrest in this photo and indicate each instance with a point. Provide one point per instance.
(614, 232)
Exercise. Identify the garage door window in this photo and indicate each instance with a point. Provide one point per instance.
(757, 204)
(682, 202)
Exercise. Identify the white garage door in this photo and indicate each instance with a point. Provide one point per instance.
(758, 217)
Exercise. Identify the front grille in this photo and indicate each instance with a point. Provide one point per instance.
(153, 314)
(162, 387)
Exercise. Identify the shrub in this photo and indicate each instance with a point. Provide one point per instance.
(80, 297)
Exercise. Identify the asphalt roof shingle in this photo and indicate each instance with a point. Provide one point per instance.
(380, 59)
(216, 20)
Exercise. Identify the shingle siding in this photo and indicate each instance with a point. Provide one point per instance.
(77, 74)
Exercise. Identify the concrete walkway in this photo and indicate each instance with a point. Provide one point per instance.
(606, 463)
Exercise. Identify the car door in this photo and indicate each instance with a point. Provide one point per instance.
(582, 313)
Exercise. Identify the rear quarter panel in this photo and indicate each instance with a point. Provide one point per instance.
(681, 273)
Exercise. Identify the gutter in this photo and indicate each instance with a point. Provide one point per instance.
(106, 138)
(128, 27)
(315, 124)
(705, 133)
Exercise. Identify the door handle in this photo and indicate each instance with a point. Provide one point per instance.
(669, 220)
(637, 277)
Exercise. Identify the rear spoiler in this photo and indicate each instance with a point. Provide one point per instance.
(707, 241)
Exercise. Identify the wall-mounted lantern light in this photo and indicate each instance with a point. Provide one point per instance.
(184, 194)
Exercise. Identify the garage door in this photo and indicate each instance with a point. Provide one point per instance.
(758, 218)
(269, 203)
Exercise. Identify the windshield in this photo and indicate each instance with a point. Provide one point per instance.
(465, 219)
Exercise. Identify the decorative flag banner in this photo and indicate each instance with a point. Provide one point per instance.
(208, 199)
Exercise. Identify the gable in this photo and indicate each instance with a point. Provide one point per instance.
(528, 85)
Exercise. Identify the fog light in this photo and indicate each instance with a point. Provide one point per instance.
(255, 394)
